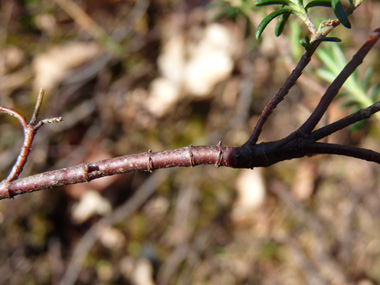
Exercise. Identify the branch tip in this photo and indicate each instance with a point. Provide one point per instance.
(37, 108)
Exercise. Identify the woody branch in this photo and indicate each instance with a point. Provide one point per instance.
(300, 143)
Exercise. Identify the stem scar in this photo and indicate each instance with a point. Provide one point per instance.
(150, 162)
(191, 156)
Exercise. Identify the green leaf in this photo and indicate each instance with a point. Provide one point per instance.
(344, 94)
(271, 2)
(281, 24)
(230, 14)
(295, 35)
(340, 13)
(328, 39)
(375, 93)
(306, 43)
(338, 56)
(326, 75)
(357, 126)
(350, 103)
(330, 60)
(367, 77)
(269, 18)
(318, 3)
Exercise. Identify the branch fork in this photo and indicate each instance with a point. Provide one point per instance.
(30, 130)
(300, 143)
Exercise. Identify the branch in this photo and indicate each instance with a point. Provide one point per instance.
(298, 144)
(246, 156)
(30, 131)
(284, 90)
(184, 157)
(335, 86)
(327, 148)
(327, 26)
(316, 38)
(345, 122)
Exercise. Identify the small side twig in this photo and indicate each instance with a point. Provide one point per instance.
(30, 131)
(360, 115)
(345, 150)
(37, 108)
(284, 90)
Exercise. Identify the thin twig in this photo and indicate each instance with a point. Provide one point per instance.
(30, 131)
(345, 122)
(335, 86)
(15, 114)
(284, 90)
(350, 151)
(324, 29)
(37, 108)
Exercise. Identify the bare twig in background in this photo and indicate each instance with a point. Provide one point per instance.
(245, 95)
(89, 25)
(121, 213)
(181, 231)
(324, 263)
(111, 42)
(173, 263)
(308, 269)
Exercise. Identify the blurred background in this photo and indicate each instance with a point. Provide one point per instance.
(128, 76)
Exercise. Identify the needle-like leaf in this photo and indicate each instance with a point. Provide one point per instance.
(271, 2)
(269, 18)
(318, 3)
(340, 13)
(281, 24)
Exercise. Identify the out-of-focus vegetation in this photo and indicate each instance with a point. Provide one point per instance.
(128, 76)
